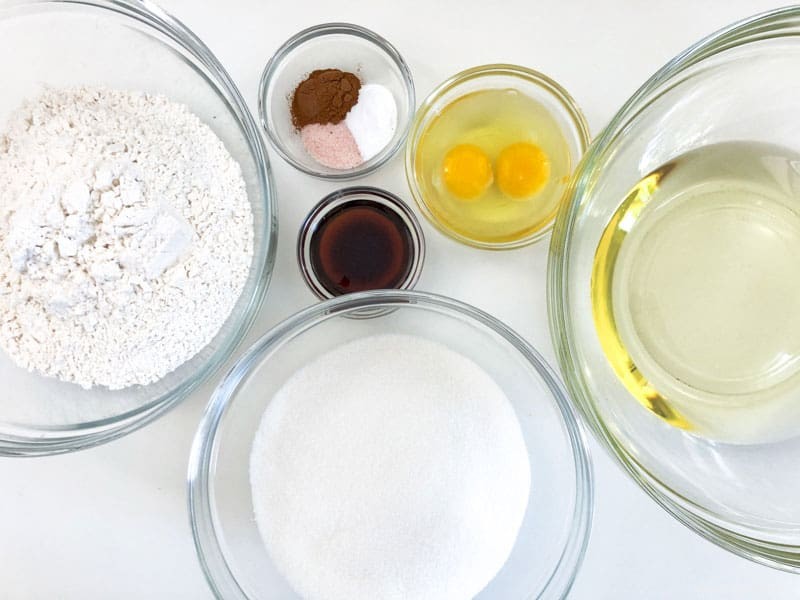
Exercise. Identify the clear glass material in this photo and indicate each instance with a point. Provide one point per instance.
(737, 85)
(556, 526)
(340, 46)
(541, 88)
(130, 45)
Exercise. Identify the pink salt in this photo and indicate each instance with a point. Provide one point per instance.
(331, 145)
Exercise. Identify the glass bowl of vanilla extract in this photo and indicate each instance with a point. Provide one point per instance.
(359, 239)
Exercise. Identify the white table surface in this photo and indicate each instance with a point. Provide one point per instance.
(111, 522)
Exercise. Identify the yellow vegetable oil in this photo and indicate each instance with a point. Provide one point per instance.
(493, 166)
(696, 292)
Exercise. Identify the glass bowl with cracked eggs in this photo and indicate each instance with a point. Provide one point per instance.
(121, 286)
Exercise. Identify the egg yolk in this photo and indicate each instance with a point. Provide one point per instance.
(522, 170)
(467, 171)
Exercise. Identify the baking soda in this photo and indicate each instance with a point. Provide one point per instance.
(390, 468)
(373, 120)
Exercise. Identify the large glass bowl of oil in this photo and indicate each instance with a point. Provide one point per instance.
(674, 292)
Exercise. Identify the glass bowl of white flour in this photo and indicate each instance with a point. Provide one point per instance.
(137, 220)
(429, 453)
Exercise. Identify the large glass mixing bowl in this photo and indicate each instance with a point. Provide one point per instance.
(740, 491)
(555, 529)
(130, 45)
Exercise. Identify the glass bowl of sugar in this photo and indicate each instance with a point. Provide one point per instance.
(104, 288)
(336, 101)
(427, 449)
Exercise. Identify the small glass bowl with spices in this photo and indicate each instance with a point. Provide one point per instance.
(336, 101)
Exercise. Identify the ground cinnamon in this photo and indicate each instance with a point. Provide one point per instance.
(324, 97)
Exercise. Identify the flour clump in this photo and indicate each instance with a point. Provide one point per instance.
(126, 236)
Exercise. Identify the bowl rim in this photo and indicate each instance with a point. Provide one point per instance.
(311, 33)
(759, 27)
(202, 459)
(341, 198)
(149, 16)
(570, 109)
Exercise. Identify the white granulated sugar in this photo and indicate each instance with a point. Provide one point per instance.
(373, 120)
(126, 236)
(389, 468)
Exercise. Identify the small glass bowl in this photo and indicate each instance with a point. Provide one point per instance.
(126, 44)
(555, 530)
(555, 99)
(342, 198)
(340, 46)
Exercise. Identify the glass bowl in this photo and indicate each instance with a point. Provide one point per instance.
(129, 45)
(556, 101)
(350, 196)
(736, 85)
(556, 526)
(332, 46)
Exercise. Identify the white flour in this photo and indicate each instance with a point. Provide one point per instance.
(125, 236)
(390, 468)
